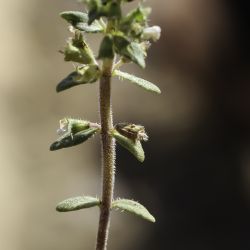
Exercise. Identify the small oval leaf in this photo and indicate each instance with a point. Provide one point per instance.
(73, 140)
(74, 17)
(134, 147)
(138, 81)
(134, 208)
(77, 203)
(68, 82)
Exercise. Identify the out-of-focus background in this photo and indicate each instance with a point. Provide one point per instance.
(196, 177)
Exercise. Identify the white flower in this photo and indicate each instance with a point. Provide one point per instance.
(71, 29)
(64, 126)
(153, 33)
(142, 136)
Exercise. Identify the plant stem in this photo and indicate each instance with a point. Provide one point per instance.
(108, 154)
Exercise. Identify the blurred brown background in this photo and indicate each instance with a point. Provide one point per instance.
(196, 178)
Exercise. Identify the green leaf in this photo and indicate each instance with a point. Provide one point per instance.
(73, 140)
(134, 147)
(134, 208)
(79, 20)
(69, 82)
(130, 50)
(77, 203)
(95, 27)
(82, 75)
(120, 42)
(106, 48)
(95, 12)
(135, 53)
(74, 17)
(138, 81)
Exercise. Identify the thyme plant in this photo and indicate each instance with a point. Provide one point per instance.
(126, 39)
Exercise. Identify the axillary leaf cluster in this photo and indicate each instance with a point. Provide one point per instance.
(126, 39)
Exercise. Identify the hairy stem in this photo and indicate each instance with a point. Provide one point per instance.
(108, 154)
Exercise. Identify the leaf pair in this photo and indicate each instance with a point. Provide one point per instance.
(91, 73)
(82, 202)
